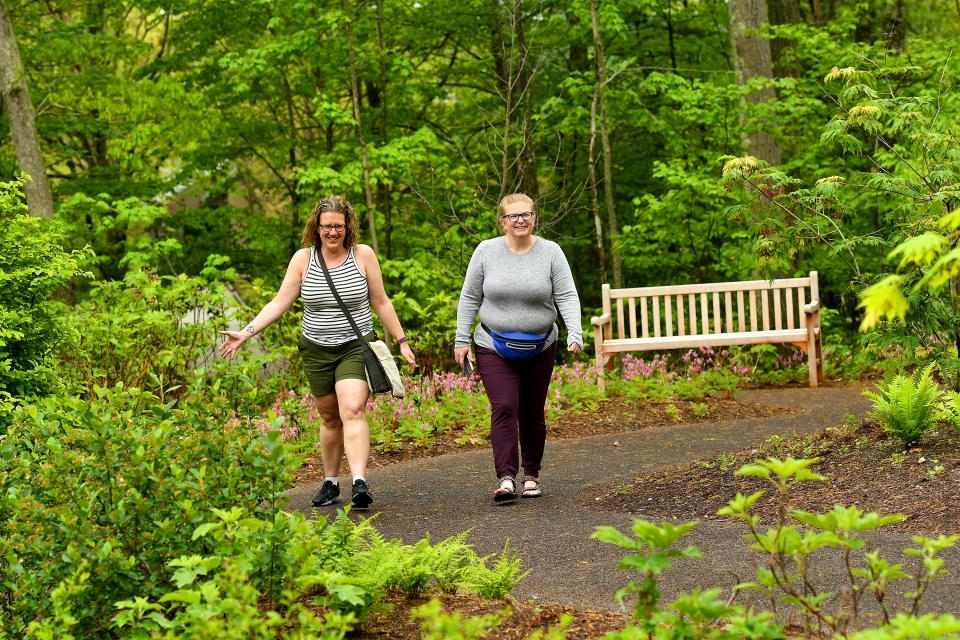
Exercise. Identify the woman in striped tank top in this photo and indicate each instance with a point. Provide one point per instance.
(329, 348)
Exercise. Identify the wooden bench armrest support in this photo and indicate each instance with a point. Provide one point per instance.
(811, 307)
(599, 321)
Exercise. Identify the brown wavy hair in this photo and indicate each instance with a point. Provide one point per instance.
(331, 204)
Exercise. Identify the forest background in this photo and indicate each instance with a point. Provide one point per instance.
(176, 148)
(176, 131)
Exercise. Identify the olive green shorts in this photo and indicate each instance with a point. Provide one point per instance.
(325, 366)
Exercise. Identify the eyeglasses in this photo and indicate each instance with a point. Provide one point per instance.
(327, 228)
(513, 217)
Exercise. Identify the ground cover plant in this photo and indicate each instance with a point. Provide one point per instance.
(787, 547)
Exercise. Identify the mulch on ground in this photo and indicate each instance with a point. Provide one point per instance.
(613, 415)
(395, 622)
(864, 465)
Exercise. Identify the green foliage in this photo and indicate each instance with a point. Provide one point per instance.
(651, 553)
(33, 266)
(907, 405)
(115, 484)
(499, 580)
(153, 332)
(436, 624)
(791, 550)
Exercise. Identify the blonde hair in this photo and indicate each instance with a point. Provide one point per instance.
(331, 204)
(516, 197)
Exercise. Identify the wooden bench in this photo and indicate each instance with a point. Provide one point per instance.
(785, 311)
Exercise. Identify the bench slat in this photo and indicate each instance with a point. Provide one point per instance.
(753, 311)
(704, 316)
(656, 316)
(728, 304)
(643, 318)
(620, 324)
(717, 320)
(741, 321)
(633, 317)
(692, 306)
(710, 287)
(765, 306)
(682, 330)
(796, 336)
(668, 312)
(801, 302)
(777, 320)
(790, 323)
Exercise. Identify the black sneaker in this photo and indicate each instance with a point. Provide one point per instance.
(362, 498)
(329, 494)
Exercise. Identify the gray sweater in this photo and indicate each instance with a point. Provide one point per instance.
(517, 292)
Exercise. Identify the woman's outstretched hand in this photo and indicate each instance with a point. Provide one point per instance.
(407, 354)
(233, 340)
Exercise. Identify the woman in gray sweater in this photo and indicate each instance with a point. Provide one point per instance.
(517, 283)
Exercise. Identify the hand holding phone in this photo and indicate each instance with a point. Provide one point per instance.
(467, 367)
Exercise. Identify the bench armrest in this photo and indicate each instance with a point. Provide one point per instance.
(811, 307)
(599, 321)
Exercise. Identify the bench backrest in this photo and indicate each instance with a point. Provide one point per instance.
(704, 309)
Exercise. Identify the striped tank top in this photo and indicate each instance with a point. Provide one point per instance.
(323, 320)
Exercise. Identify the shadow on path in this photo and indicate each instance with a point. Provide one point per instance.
(448, 494)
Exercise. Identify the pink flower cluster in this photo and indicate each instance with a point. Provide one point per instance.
(297, 411)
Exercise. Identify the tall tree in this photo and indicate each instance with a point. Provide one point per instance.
(600, 82)
(23, 120)
(361, 142)
(753, 60)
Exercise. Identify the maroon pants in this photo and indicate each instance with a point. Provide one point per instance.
(517, 390)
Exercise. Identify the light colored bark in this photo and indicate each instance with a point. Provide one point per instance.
(753, 60)
(600, 73)
(23, 121)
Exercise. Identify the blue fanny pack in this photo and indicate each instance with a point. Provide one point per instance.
(517, 345)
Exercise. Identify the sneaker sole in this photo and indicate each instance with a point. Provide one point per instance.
(327, 503)
(362, 501)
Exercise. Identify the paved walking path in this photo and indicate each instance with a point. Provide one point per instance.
(448, 494)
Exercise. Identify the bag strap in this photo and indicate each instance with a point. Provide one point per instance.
(318, 255)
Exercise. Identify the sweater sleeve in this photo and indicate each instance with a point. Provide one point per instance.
(566, 298)
(471, 295)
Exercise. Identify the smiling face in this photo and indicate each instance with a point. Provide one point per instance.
(332, 229)
(517, 218)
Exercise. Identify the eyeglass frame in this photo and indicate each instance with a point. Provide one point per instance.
(327, 228)
(526, 216)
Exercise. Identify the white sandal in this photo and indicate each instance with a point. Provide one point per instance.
(507, 491)
(531, 487)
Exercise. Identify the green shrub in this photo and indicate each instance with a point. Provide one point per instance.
(33, 265)
(115, 486)
(907, 405)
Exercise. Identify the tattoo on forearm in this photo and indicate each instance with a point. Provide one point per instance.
(250, 329)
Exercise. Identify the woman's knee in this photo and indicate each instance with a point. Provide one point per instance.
(329, 411)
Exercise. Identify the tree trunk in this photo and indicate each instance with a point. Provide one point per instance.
(384, 137)
(594, 200)
(525, 77)
(503, 68)
(364, 159)
(600, 81)
(752, 54)
(783, 12)
(23, 121)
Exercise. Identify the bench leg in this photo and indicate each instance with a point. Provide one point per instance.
(813, 356)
